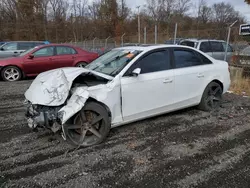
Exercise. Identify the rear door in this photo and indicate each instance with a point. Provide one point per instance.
(190, 72)
(65, 56)
(43, 60)
(218, 50)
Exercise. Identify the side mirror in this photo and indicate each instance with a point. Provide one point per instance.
(31, 56)
(2, 49)
(136, 72)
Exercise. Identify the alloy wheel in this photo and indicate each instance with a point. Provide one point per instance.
(214, 96)
(11, 74)
(87, 129)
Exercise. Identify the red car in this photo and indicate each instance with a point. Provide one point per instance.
(44, 58)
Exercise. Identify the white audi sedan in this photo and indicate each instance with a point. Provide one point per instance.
(124, 85)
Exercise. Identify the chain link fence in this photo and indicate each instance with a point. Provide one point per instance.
(240, 65)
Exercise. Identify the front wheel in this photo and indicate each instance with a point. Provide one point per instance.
(11, 73)
(211, 98)
(89, 127)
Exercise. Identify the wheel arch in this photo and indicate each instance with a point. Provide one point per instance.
(104, 105)
(218, 82)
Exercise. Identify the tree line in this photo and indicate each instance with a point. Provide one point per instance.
(77, 20)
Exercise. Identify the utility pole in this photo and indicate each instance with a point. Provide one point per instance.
(139, 25)
(228, 39)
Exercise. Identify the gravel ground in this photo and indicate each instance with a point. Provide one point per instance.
(188, 148)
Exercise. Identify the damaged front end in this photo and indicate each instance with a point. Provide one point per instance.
(39, 116)
(54, 97)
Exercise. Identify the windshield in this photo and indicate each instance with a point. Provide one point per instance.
(112, 62)
(27, 51)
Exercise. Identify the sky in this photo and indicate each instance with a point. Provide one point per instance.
(239, 5)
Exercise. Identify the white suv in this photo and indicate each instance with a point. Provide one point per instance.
(214, 48)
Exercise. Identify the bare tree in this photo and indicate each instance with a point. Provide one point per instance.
(204, 12)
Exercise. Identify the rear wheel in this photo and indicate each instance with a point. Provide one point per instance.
(211, 98)
(81, 64)
(11, 73)
(89, 127)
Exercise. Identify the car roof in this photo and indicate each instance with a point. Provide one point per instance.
(202, 40)
(152, 47)
(25, 41)
(51, 44)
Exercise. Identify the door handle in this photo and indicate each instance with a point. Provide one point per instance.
(167, 80)
(200, 75)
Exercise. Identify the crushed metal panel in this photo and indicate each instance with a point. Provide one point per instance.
(74, 104)
(51, 88)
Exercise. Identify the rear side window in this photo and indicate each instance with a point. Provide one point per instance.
(64, 50)
(205, 60)
(25, 45)
(216, 46)
(188, 43)
(186, 58)
(154, 62)
(205, 47)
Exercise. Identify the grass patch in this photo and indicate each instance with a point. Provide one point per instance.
(240, 86)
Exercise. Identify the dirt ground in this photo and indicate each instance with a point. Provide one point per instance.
(188, 148)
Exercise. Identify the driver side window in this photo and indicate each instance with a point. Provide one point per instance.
(44, 52)
(153, 62)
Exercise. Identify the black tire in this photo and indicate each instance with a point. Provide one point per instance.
(81, 64)
(211, 98)
(103, 126)
(11, 73)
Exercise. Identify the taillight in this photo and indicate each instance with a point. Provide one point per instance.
(228, 68)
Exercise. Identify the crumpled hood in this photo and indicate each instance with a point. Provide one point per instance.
(52, 88)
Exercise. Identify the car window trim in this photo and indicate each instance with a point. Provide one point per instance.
(129, 71)
(55, 54)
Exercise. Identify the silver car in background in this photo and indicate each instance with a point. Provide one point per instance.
(214, 48)
(15, 48)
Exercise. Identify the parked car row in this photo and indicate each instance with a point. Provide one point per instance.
(42, 58)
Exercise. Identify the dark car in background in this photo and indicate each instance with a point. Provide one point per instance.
(242, 60)
(14, 48)
(43, 58)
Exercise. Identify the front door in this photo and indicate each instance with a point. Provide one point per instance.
(42, 61)
(152, 91)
